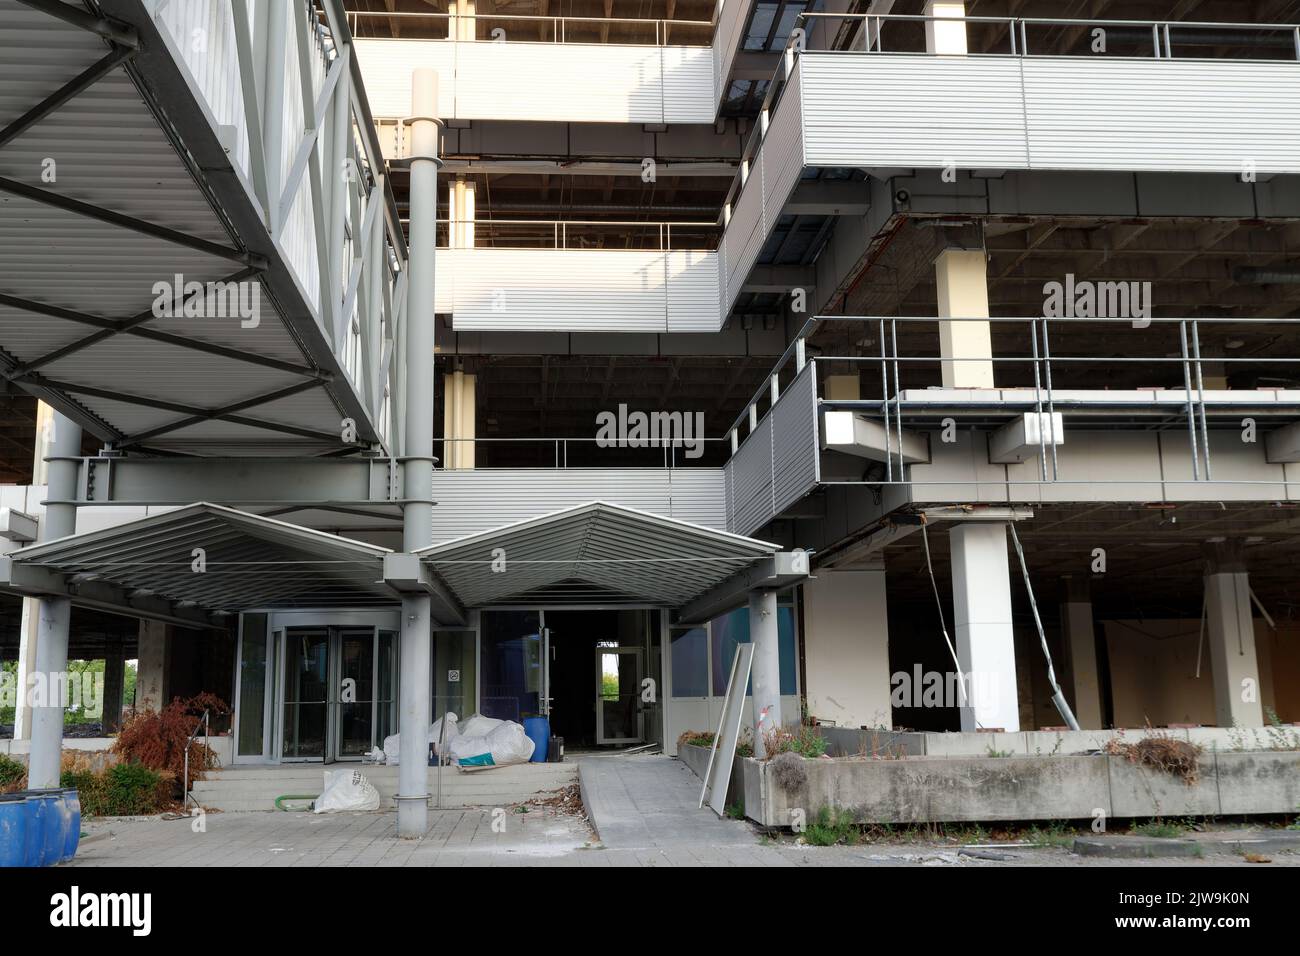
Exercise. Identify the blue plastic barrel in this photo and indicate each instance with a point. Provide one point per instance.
(538, 730)
(71, 804)
(13, 829)
(45, 827)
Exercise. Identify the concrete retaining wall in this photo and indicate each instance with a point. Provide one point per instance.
(697, 759)
(848, 742)
(957, 789)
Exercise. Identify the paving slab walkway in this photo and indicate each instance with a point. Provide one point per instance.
(652, 802)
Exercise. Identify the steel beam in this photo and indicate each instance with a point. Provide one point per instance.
(100, 26)
(82, 81)
(90, 211)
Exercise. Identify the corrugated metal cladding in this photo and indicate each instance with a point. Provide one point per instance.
(1051, 113)
(563, 82)
(472, 501)
(1180, 115)
(871, 110)
(778, 464)
(795, 453)
(750, 502)
(252, 561)
(578, 290)
(593, 553)
(727, 38)
(773, 175)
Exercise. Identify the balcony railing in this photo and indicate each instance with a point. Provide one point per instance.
(530, 28)
(1160, 390)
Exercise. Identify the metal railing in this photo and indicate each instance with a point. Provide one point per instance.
(655, 453)
(1157, 37)
(1161, 33)
(583, 233)
(497, 28)
(204, 725)
(1183, 358)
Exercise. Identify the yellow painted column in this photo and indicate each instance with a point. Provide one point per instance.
(966, 348)
(941, 37)
(458, 419)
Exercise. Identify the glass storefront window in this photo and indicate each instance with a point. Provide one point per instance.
(690, 662)
(732, 629)
(454, 673)
(512, 664)
(252, 686)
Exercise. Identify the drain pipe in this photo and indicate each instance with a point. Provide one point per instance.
(417, 513)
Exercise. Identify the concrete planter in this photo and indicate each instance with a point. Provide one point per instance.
(976, 789)
(697, 759)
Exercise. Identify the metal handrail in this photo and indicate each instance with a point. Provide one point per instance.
(189, 741)
(560, 24)
(669, 447)
(560, 227)
(1189, 358)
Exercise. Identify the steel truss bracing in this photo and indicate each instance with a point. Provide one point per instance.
(293, 185)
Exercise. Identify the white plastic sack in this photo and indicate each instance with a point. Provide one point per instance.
(392, 749)
(346, 790)
(480, 726)
(505, 743)
(376, 756)
(509, 744)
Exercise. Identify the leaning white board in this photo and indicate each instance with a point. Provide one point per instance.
(723, 754)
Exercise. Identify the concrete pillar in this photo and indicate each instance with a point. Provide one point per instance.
(981, 600)
(1079, 632)
(458, 419)
(962, 279)
(417, 513)
(1230, 636)
(29, 633)
(945, 38)
(48, 680)
(153, 662)
(114, 682)
(766, 672)
(846, 648)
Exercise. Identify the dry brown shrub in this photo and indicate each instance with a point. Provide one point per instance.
(156, 739)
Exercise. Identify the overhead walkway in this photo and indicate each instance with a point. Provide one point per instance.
(179, 270)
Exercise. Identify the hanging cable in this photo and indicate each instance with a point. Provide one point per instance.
(938, 603)
(1058, 698)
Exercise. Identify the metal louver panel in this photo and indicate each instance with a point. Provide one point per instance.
(751, 480)
(559, 82)
(1176, 115)
(728, 35)
(578, 290)
(592, 551)
(472, 501)
(794, 441)
(898, 110)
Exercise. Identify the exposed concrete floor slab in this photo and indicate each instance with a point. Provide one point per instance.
(652, 801)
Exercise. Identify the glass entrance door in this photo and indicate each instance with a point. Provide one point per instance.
(307, 681)
(355, 701)
(340, 691)
(619, 715)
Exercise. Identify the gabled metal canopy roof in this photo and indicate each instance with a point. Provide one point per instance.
(148, 566)
(595, 553)
(592, 554)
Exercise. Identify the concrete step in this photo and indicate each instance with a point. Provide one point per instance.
(255, 788)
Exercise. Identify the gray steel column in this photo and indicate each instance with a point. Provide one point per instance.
(767, 666)
(417, 513)
(53, 613)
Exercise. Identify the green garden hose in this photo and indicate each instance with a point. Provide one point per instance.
(295, 796)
